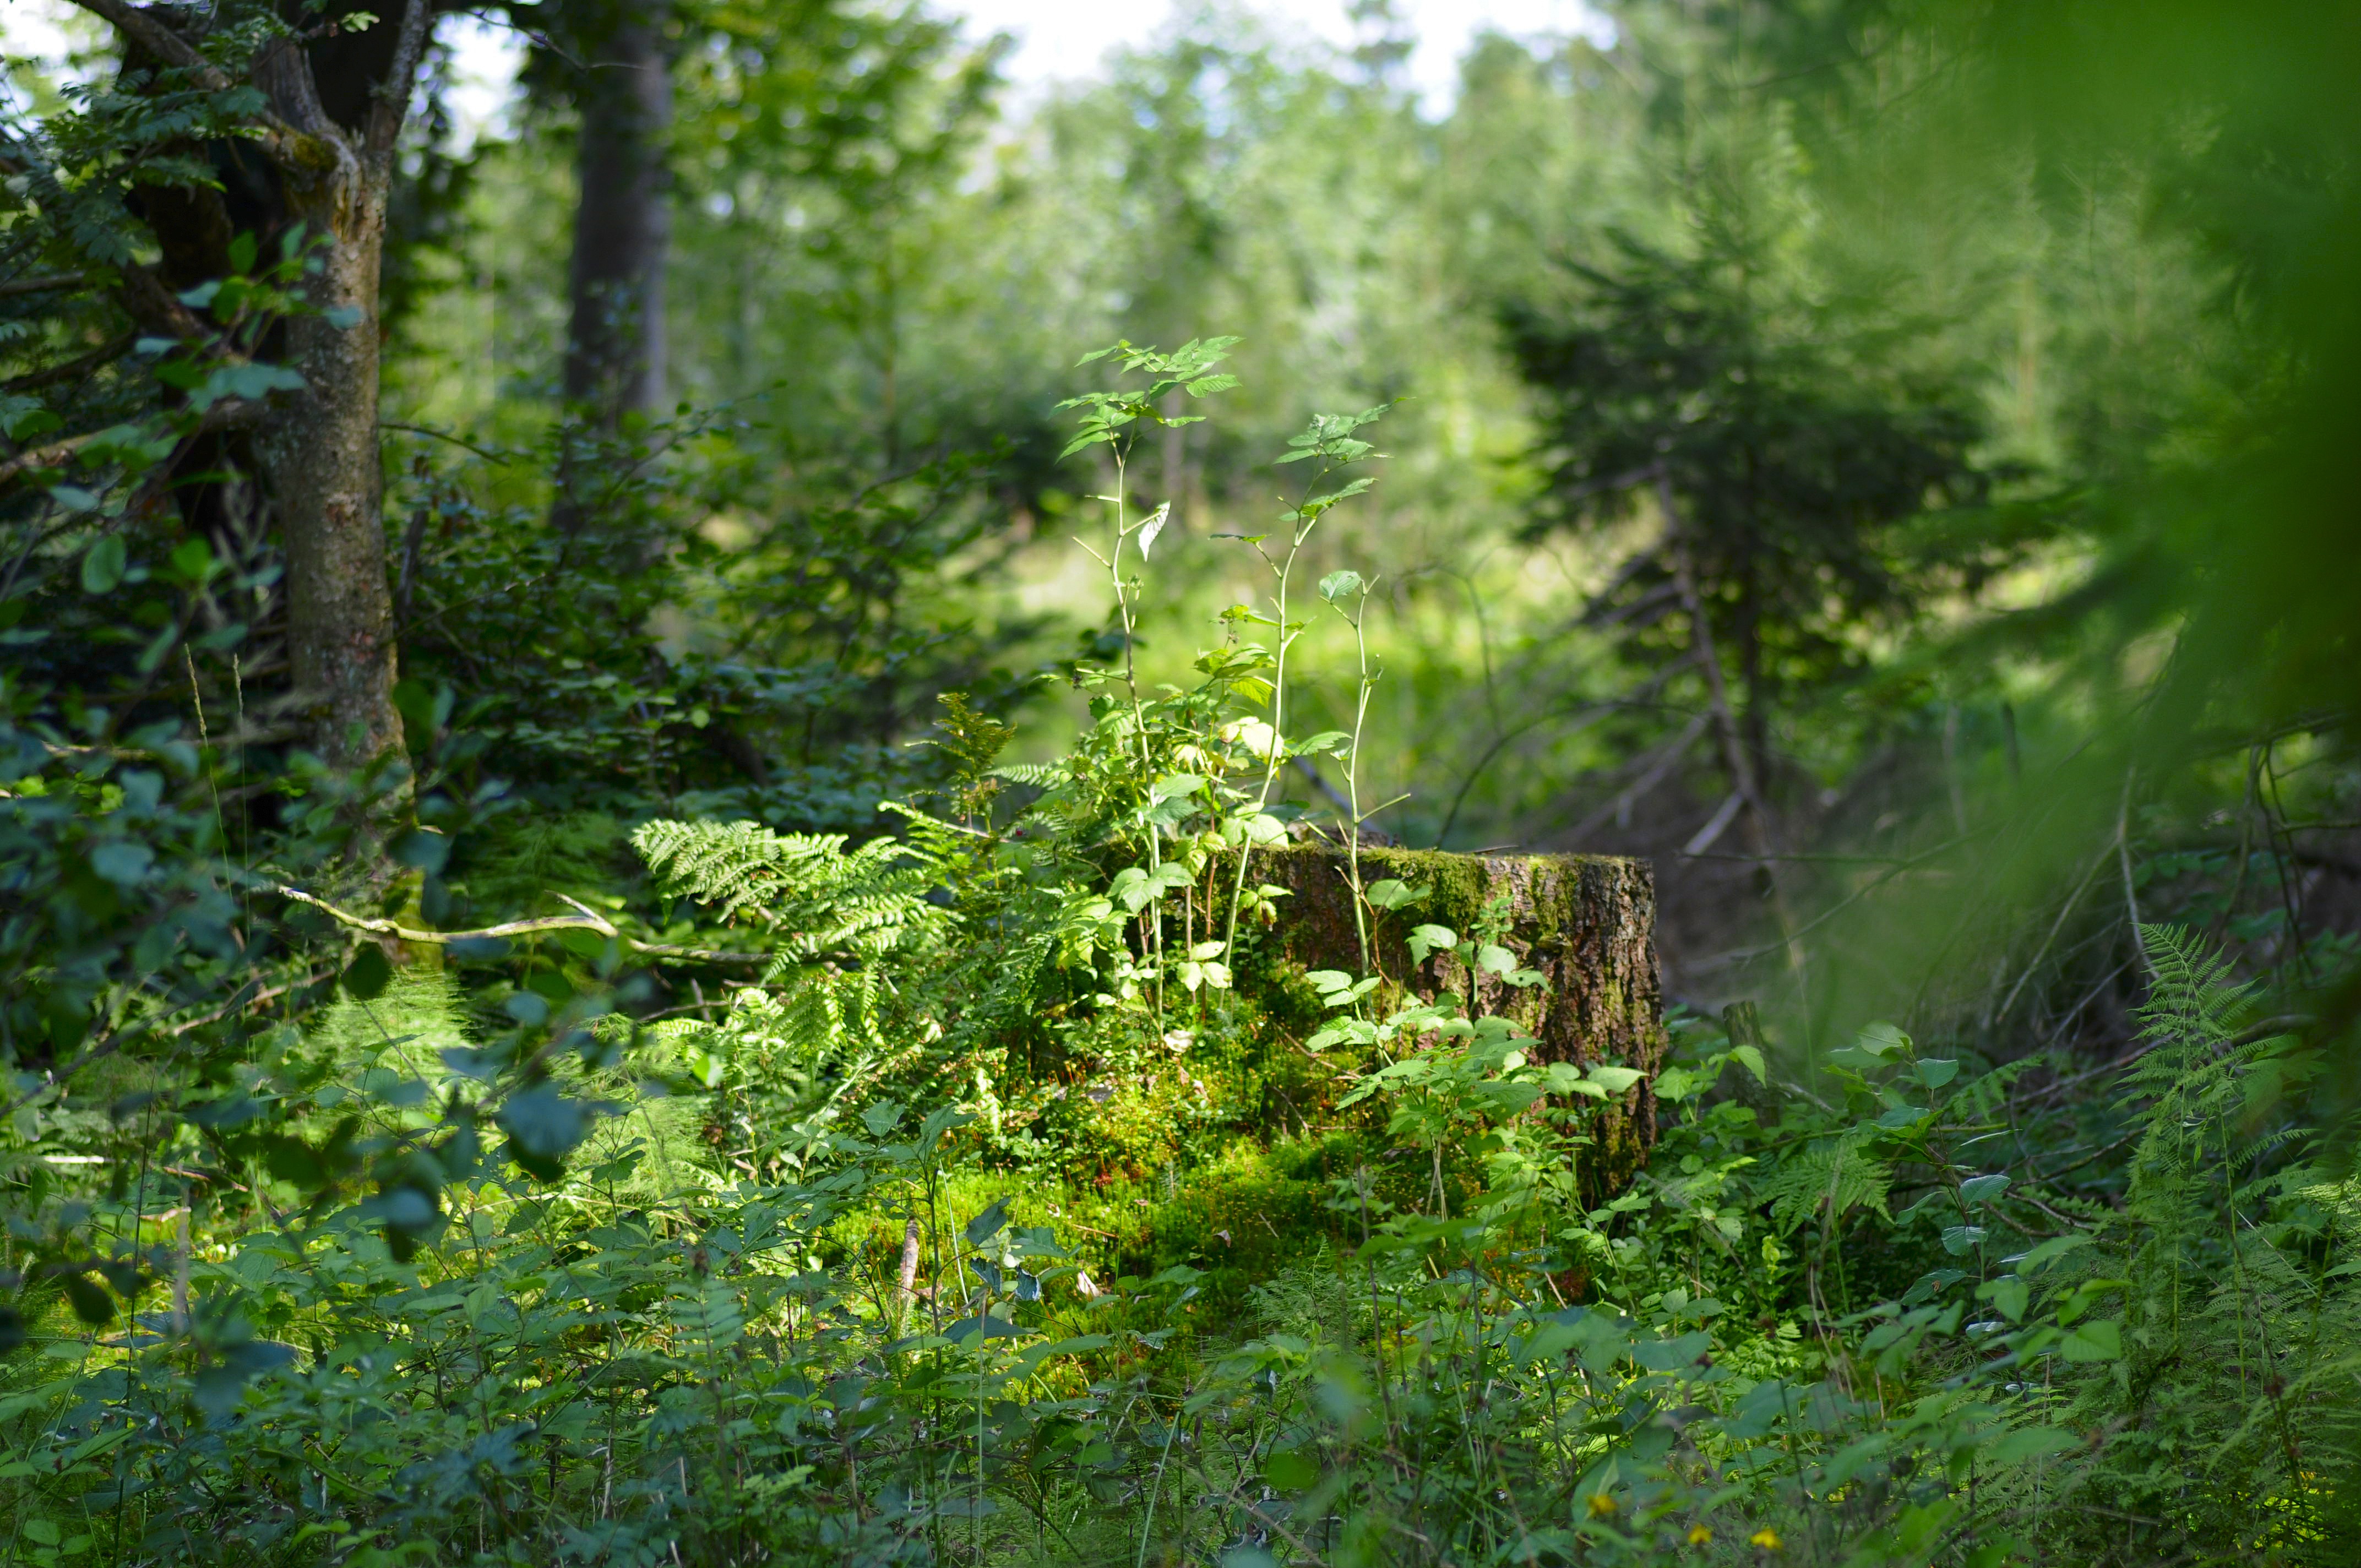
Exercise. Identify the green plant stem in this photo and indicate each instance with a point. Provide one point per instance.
(1156, 1490)
(1353, 777)
(1300, 530)
(1124, 608)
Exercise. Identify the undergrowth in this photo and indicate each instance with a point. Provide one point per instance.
(998, 1195)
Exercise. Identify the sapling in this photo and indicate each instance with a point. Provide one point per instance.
(1329, 438)
(1113, 419)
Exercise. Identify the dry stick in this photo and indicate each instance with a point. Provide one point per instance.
(2056, 926)
(1733, 745)
(227, 414)
(907, 1273)
(2287, 900)
(46, 284)
(2245, 838)
(1660, 762)
(2124, 859)
(587, 920)
(1639, 696)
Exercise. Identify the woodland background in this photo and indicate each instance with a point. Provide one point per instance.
(1880, 461)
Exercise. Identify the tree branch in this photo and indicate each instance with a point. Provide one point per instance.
(47, 283)
(587, 920)
(393, 93)
(159, 40)
(71, 369)
(227, 414)
(290, 149)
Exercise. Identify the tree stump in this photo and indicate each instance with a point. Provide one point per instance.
(1586, 922)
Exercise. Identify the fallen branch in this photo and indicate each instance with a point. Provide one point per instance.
(47, 283)
(587, 920)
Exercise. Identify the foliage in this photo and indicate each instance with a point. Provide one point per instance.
(682, 1108)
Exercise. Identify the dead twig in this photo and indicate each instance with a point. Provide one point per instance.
(587, 920)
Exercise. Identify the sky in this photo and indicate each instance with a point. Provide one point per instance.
(1065, 39)
(1057, 40)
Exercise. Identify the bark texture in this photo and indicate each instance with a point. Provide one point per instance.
(616, 348)
(320, 155)
(326, 477)
(321, 451)
(1586, 922)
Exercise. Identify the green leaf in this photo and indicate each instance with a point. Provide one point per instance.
(1752, 1059)
(2101, 1339)
(1394, 893)
(90, 1303)
(544, 1126)
(2055, 1246)
(1342, 584)
(102, 566)
(1937, 1071)
(123, 864)
(367, 975)
(1673, 1354)
(1983, 1190)
(191, 559)
(1614, 1080)
(1675, 1084)
(1881, 1040)
(986, 1225)
(2009, 1294)
(1424, 939)
(1292, 1470)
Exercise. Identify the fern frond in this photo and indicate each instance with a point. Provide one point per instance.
(1041, 775)
(809, 886)
(1837, 1172)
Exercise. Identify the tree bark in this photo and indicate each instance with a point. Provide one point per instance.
(326, 481)
(321, 154)
(1586, 922)
(615, 354)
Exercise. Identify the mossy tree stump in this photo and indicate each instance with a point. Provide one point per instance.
(1586, 922)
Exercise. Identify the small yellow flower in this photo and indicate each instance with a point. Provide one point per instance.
(1767, 1538)
(1602, 1507)
(1701, 1536)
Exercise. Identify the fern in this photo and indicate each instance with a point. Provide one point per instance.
(2239, 1311)
(1833, 1171)
(1040, 775)
(819, 897)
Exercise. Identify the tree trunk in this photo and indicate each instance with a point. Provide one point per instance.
(321, 450)
(1586, 922)
(615, 350)
(321, 154)
(327, 482)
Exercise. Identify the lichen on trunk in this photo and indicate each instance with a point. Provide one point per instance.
(1586, 922)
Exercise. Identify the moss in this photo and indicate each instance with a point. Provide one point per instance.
(1586, 922)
